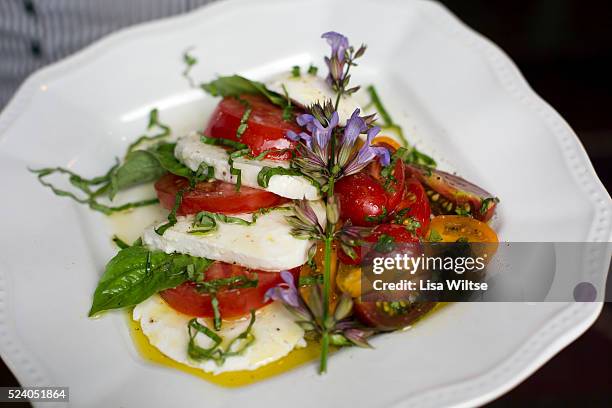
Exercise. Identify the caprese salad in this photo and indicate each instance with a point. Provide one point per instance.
(269, 204)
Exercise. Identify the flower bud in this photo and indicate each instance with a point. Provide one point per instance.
(335, 69)
(344, 307)
(332, 211)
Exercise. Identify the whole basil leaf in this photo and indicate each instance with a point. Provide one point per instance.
(236, 85)
(139, 167)
(164, 153)
(136, 273)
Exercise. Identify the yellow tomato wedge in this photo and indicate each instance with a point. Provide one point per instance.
(348, 279)
(387, 140)
(454, 228)
(450, 228)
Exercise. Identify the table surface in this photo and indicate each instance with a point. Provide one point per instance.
(564, 49)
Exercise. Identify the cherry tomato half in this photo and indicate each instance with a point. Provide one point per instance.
(414, 207)
(367, 198)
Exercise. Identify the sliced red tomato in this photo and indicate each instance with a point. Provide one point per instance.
(233, 303)
(387, 316)
(214, 196)
(397, 233)
(265, 128)
(413, 207)
(367, 198)
(450, 194)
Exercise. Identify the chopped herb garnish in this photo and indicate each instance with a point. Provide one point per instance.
(434, 236)
(462, 211)
(377, 218)
(486, 203)
(312, 70)
(295, 71)
(385, 244)
(311, 280)
(411, 224)
(401, 215)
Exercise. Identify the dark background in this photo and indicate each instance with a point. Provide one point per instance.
(564, 49)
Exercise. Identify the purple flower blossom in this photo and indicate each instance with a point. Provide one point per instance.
(285, 292)
(354, 127)
(320, 133)
(367, 153)
(338, 43)
(314, 148)
(296, 137)
(288, 294)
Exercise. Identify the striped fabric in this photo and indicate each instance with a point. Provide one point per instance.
(34, 33)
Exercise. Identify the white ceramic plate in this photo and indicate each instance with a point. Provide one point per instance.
(459, 97)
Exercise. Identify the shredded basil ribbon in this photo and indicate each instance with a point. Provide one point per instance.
(236, 347)
(311, 280)
(216, 313)
(266, 173)
(153, 122)
(139, 166)
(205, 222)
(90, 196)
(178, 199)
(242, 127)
(218, 141)
(190, 61)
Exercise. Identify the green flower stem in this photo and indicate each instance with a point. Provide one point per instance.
(341, 91)
(329, 231)
(329, 237)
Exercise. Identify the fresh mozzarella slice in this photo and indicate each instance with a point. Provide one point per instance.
(275, 331)
(308, 89)
(192, 152)
(266, 245)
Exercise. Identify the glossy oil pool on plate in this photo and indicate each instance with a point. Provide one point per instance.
(458, 97)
